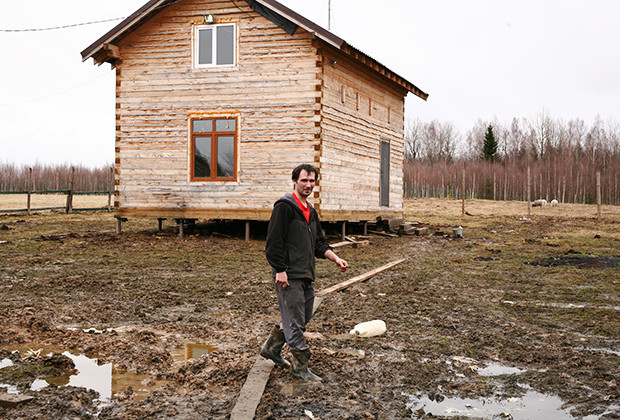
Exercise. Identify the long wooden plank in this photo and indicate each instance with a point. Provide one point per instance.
(341, 244)
(252, 390)
(359, 278)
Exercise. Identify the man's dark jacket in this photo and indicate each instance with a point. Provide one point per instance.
(293, 243)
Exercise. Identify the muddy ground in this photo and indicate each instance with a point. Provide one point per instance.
(70, 286)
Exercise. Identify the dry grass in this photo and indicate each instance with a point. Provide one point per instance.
(437, 211)
(18, 201)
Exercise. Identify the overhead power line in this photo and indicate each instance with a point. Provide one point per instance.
(53, 28)
(60, 27)
(51, 95)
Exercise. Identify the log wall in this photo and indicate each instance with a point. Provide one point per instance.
(273, 90)
(359, 110)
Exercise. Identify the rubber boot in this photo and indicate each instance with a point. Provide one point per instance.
(300, 366)
(272, 349)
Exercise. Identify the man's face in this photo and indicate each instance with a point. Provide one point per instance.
(305, 183)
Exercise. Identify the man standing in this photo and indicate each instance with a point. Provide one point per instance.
(294, 240)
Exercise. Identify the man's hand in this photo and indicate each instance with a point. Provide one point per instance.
(282, 279)
(342, 264)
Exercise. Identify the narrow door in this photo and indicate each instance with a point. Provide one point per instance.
(384, 189)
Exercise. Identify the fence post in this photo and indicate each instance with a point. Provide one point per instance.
(598, 195)
(70, 194)
(29, 188)
(529, 197)
(463, 193)
(110, 188)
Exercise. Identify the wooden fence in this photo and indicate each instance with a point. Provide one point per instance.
(70, 193)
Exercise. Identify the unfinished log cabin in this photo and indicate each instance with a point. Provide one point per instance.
(217, 101)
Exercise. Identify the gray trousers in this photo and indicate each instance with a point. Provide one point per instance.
(296, 303)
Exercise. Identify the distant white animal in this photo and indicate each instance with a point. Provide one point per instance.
(554, 203)
(541, 202)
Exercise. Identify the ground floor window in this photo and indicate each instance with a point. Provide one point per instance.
(213, 147)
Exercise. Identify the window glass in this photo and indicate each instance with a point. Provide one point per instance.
(205, 46)
(213, 144)
(225, 156)
(225, 125)
(202, 126)
(202, 157)
(225, 45)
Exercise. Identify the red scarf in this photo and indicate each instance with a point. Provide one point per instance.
(305, 210)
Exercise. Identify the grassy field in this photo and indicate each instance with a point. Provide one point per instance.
(19, 201)
(536, 297)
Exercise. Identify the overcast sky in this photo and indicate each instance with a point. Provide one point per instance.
(478, 59)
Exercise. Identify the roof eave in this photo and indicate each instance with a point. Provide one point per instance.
(304, 23)
(383, 70)
(135, 17)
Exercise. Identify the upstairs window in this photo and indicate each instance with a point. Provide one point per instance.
(215, 45)
(213, 151)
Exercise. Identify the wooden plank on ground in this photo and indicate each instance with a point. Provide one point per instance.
(340, 244)
(317, 302)
(359, 278)
(252, 390)
(13, 400)
(375, 232)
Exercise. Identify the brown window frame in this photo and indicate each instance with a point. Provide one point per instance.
(213, 134)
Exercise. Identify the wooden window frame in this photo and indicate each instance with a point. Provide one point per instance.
(213, 135)
(213, 64)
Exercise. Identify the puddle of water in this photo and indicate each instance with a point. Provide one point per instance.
(38, 384)
(598, 350)
(192, 351)
(345, 336)
(141, 384)
(613, 409)
(10, 389)
(90, 375)
(560, 305)
(294, 389)
(353, 352)
(532, 405)
(497, 369)
(103, 378)
(5, 363)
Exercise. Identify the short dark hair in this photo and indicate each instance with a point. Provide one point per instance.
(308, 168)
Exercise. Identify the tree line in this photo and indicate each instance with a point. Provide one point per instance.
(53, 177)
(493, 159)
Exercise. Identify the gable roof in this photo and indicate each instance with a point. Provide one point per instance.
(279, 14)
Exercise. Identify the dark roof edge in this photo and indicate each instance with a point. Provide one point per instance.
(308, 25)
(137, 15)
(383, 70)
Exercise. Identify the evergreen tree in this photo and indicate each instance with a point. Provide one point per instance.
(489, 149)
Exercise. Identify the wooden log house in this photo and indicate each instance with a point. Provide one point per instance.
(218, 100)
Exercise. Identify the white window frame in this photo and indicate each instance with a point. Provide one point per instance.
(213, 46)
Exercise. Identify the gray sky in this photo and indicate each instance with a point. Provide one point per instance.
(478, 59)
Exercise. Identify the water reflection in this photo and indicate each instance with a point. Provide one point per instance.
(533, 405)
(496, 369)
(104, 378)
